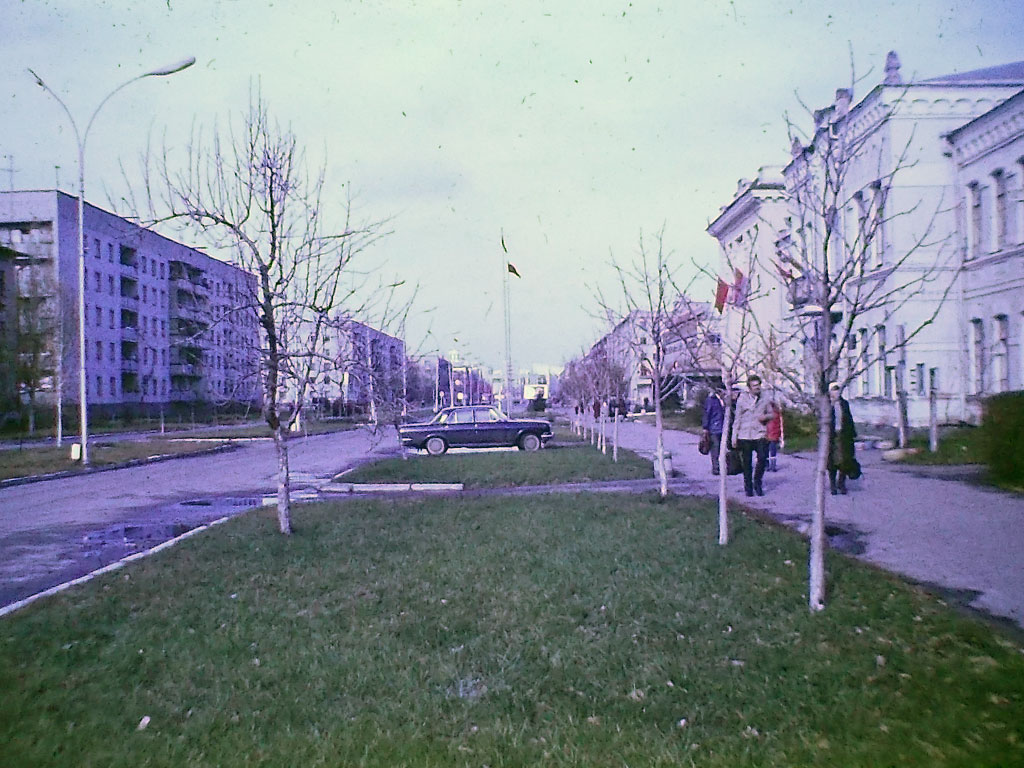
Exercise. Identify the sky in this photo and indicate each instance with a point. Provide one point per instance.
(571, 127)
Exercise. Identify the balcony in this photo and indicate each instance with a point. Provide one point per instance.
(130, 302)
(196, 287)
(187, 312)
(129, 365)
(190, 370)
(129, 333)
(130, 270)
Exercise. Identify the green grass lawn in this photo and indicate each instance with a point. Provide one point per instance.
(596, 630)
(556, 464)
(41, 460)
(963, 445)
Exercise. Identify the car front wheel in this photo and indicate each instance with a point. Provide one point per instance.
(436, 446)
(529, 443)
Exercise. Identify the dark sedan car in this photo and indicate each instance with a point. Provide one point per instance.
(474, 426)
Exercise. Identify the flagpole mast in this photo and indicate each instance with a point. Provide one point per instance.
(508, 326)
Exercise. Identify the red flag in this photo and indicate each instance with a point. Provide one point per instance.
(721, 293)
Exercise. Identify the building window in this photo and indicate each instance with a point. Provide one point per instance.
(110, 317)
(110, 252)
(99, 350)
(974, 228)
(878, 223)
(1000, 212)
(99, 386)
(1001, 354)
(112, 350)
(96, 248)
(113, 387)
(978, 355)
(99, 317)
(862, 362)
(920, 380)
(880, 363)
(99, 281)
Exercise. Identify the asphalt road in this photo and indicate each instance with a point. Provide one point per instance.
(59, 529)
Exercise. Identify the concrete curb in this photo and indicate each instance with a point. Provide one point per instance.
(388, 487)
(14, 481)
(116, 565)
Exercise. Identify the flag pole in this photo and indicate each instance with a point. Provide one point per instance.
(507, 388)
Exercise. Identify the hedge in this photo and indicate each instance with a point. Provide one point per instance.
(1003, 427)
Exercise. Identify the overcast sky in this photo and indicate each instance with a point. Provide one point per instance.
(571, 125)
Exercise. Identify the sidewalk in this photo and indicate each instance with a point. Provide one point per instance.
(948, 534)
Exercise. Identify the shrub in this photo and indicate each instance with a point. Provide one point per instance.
(1002, 426)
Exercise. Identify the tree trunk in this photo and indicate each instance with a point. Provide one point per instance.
(723, 472)
(903, 425)
(615, 437)
(284, 502)
(31, 415)
(604, 433)
(659, 451)
(818, 542)
(933, 422)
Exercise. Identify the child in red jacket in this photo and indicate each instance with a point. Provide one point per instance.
(775, 437)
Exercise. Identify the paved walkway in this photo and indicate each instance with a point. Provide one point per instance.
(943, 532)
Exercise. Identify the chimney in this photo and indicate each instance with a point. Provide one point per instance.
(741, 185)
(842, 103)
(892, 69)
(796, 148)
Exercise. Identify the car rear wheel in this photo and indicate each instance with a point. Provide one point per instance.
(436, 446)
(529, 443)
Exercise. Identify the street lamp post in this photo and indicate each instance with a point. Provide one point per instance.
(80, 139)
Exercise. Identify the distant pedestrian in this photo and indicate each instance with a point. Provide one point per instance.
(750, 434)
(842, 462)
(775, 432)
(713, 423)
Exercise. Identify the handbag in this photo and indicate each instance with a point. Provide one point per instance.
(733, 462)
(704, 446)
(851, 468)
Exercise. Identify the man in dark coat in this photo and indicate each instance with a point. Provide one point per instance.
(841, 459)
(713, 423)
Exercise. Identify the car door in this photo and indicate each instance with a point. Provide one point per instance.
(488, 428)
(459, 428)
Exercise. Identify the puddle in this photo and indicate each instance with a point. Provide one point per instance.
(845, 540)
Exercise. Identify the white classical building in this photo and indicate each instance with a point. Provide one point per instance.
(929, 207)
(748, 229)
(164, 323)
(988, 160)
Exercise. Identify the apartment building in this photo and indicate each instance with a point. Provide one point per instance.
(368, 366)
(164, 323)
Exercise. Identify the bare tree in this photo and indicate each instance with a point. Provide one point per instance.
(649, 292)
(845, 279)
(249, 193)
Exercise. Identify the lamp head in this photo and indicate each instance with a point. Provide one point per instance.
(170, 69)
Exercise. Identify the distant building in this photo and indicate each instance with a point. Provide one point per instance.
(165, 323)
(368, 367)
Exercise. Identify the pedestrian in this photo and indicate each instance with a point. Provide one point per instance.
(775, 432)
(713, 424)
(842, 462)
(750, 434)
